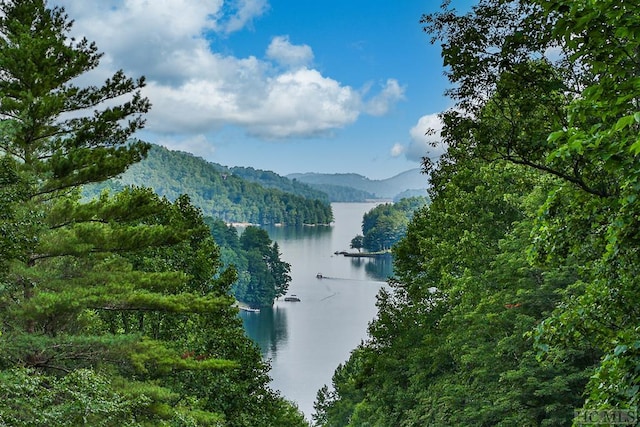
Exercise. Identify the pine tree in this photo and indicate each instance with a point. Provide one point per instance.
(127, 288)
(63, 134)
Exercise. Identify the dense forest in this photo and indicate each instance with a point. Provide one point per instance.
(384, 225)
(114, 311)
(271, 179)
(342, 193)
(262, 275)
(516, 290)
(222, 194)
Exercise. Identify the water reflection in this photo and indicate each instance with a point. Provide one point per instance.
(268, 328)
(294, 233)
(380, 267)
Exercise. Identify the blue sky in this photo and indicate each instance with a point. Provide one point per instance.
(328, 86)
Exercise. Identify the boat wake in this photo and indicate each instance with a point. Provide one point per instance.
(346, 279)
(330, 296)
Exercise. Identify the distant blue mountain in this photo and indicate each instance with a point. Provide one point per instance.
(411, 182)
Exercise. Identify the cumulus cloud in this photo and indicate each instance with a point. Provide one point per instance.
(425, 140)
(287, 54)
(148, 37)
(194, 90)
(299, 103)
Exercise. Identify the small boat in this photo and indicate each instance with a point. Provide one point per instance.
(319, 276)
(292, 298)
(244, 307)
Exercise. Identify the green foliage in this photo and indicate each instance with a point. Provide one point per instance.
(384, 225)
(270, 179)
(223, 193)
(269, 275)
(602, 132)
(80, 398)
(515, 297)
(262, 275)
(113, 311)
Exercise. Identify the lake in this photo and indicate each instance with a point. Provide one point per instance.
(305, 341)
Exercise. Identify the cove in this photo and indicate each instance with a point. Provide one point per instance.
(305, 341)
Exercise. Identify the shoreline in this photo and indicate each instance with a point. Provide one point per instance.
(364, 254)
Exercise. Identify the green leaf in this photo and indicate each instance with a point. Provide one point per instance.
(620, 349)
(635, 147)
(624, 122)
(554, 136)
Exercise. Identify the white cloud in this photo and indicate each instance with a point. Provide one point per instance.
(397, 150)
(287, 54)
(298, 103)
(303, 102)
(244, 13)
(425, 140)
(198, 145)
(194, 90)
(391, 93)
(428, 128)
(148, 37)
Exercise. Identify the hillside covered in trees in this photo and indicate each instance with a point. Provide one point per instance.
(114, 311)
(220, 194)
(342, 193)
(516, 290)
(269, 179)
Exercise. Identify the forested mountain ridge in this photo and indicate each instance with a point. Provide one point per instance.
(341, 193)
(219, 194)
(374, 189)
(269, 179)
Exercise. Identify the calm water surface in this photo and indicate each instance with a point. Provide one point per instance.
(307, 340)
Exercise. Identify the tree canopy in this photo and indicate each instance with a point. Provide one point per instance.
(234, 195)
(515, 291)
(384, 225)
(263, 276)
(113, 311)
